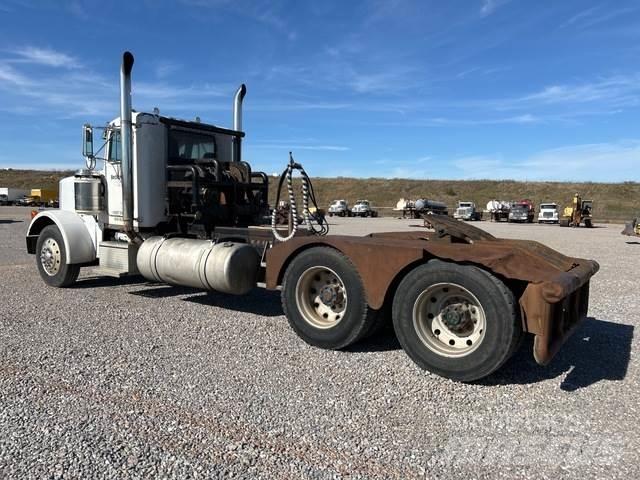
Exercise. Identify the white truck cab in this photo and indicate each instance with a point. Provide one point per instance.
(548, 213)
(467, 211)
(362, 208)
(339, 208)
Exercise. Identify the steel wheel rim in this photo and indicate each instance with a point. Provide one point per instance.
(449, 320)
(321, 297)
(50, 257)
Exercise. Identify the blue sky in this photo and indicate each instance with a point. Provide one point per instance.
(421, 89)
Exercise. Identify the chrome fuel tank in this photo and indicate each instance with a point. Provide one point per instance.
(227, 267)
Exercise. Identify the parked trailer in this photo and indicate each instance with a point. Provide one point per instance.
(175, 202)
(9, 196)
(41, 197)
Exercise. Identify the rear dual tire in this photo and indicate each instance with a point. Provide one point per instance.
(457, 321)
(324, 300)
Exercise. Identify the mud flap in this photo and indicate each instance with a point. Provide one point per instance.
(552, 323)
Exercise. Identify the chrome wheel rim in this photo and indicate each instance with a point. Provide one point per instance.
(321, 297)
(449, 320)
(50, 257)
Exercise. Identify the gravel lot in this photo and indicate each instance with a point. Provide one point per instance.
(126, 379)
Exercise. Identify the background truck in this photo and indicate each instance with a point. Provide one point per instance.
(498, 210)
(41, 197)
(467, 211)
(175, 203)
(522, 211)
(339, 208)
(425, 206)
(9, 196)
(548, 213)
(362, 208)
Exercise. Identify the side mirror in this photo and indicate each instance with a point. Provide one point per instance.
(87, 141)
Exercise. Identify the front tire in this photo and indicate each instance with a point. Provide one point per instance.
(457, 321)
(51, 259)
(324, 299)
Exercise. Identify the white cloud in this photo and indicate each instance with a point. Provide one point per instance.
(45, 56)
(615, 90)
(596, 15)
(581, 15)
(80, 92)
(322, 148)
(490, 6)
(465, 121)
(8, 75)
(164, 68)
(605, 162)
(163, 90)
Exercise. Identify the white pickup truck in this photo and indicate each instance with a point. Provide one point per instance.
(548, 213)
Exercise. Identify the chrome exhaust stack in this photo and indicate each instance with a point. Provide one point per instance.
(237, 120)
(237, 107)
(126, 139)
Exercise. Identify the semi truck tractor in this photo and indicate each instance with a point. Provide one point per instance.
(175, 202)
(339, 208)
(363, 208)
(467, 211)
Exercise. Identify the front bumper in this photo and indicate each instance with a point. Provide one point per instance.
(553, 310)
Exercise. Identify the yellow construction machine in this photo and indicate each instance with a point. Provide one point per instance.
(578, 213)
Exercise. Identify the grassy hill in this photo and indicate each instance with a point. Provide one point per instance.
(612, 201)
(28, 179)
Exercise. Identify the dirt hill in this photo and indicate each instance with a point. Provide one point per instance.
(612, 201)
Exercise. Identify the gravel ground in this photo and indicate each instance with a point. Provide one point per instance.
(126, 379)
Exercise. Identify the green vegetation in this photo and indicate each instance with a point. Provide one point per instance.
(612, 201)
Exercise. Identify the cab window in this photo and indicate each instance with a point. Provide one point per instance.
(189, 146)
(115, 149)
